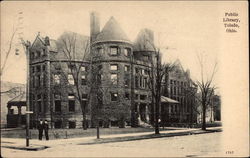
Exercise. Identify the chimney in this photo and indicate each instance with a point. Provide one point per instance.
(47, 42)
(94, 25)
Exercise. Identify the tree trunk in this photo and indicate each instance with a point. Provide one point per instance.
(203, 117)
(157, 116)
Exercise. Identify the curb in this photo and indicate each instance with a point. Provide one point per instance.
(150, 136)
(29, 148)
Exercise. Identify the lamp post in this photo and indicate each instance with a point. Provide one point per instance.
(26, 49)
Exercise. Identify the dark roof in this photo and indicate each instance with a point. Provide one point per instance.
(20, 99)
(112, 32)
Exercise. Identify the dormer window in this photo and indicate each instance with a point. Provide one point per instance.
(114, 51)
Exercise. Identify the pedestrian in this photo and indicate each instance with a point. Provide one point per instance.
(40, 129)
(46, 129)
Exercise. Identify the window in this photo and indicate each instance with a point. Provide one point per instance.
(143, 97)
(44, 51)
(171, 81)
(33, 81)
(145, 85)
(71, 105)
(127, 95)
(38, 81)
(39, 103)
(71, 96)
(99, 51)
(84, 96)
(114, 79)
(44, 67)
(58, 124)
(113, 50)
(126, 80)
(83, 68)
(72, 124)
(136, 81)
(126, 68)
(83, 80)
(57, 105)
(127, 52)
(114, 67)
(32, 55)
(38, 53)
(145, 57)
(44, 104)
(44, 80)
(71, 79)
(136, 96)
(38, 68)
(33, 70)
(57, 79)
(114, 96)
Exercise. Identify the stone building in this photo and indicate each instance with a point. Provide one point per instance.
(101, 79)
(179, 86)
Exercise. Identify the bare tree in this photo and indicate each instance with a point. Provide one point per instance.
(6, 53)
(75, 50)
(206, 88)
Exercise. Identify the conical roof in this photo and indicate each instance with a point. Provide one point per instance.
(112, 32)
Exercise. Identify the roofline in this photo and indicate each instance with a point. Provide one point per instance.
(122, 41)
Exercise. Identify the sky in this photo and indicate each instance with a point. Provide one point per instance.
(181, 30)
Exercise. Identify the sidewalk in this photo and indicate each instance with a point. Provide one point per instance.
(19, 143)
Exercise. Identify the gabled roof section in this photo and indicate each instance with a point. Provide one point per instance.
(112, 32)
(52, 46)
(38, 39)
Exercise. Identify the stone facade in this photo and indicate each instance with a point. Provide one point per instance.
(113, 79)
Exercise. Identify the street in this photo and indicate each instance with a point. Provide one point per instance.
(181, 146)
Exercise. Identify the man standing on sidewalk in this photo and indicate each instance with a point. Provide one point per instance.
(40, 129)
(46, 129)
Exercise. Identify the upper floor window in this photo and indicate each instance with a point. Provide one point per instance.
(145, 57)
(83, 80)
(99, 51)
(38, 68)
(114, 67)
(44, 67)
(83, 68)
(44, 51)
(127, 52)
(84, 96)
(71, 96)
(32, 55)
(126, 68)
(38, 53)
(57, 79)
(114, 79)
(71, 79)
(143, 97)
(38, 81)
(113, 50)
(126, 80)
(127, 95)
